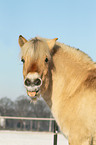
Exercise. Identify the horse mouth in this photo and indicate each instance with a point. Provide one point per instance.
(33, 94)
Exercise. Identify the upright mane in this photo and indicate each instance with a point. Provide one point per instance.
(72, 53)
(76, 55)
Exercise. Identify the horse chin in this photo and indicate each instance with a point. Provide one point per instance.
(34, 95)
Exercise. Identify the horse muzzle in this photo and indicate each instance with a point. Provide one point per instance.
(32, 84)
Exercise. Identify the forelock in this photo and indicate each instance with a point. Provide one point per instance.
(35, 46)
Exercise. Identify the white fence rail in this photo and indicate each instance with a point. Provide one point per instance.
(22, 122)
(26, 118)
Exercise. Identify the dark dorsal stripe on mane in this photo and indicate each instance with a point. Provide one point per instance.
(36, 42)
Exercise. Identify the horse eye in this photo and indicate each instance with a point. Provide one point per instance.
(22, 60)
(46, 60)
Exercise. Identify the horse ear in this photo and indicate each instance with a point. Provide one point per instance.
(22, 40)
(52, 42)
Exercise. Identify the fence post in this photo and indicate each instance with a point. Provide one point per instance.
(55, 133)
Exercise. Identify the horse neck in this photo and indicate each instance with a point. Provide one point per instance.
(71, 69)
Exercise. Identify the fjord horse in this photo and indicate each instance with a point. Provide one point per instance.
(66, 79)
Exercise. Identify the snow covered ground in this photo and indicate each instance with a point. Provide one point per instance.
(29, 138)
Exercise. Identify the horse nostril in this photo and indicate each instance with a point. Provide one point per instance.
(27, 82)
(37, 82)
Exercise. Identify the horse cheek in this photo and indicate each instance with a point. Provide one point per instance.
(24, 71)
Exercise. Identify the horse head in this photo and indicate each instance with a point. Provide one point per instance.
(37, 63)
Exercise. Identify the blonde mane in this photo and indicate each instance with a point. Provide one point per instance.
(77, 55)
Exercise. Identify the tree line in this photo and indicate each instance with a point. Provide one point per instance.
(22, 107)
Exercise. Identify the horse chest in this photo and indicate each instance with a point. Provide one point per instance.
(64, 127)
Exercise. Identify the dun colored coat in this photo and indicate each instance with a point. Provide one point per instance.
(66, 79)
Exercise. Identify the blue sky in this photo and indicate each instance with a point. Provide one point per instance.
(72, 21)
